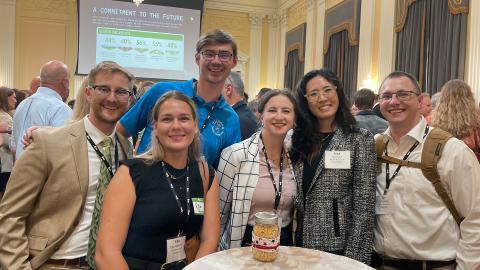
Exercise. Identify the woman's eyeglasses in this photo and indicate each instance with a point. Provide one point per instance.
(327, 92)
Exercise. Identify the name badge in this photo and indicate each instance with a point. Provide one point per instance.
(176, 249)
(198, 206)
(384, 205)
(337, 160)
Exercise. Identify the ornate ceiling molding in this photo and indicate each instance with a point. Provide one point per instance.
(251, 6)
(254, 6)
(285, 4)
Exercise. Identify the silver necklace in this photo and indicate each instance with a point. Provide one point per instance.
(171, 176)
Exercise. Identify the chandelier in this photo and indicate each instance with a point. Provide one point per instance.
(137, 2)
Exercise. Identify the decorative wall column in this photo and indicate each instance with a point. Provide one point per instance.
(320, 29)
(473, 56)
(283, 35)
(387, 38)
(7, 42)
(367, 24)
(256, 22)
(310, 36)
(273, 52)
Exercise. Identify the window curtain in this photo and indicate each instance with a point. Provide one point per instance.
(293, 70)
(445, 49)
(342, 59)
(431, 44)
(409, 57)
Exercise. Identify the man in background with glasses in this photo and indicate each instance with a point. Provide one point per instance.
(216, 55)
(414, 228)
(50, 211)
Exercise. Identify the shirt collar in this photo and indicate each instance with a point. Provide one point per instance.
(366, 112)
(417, 133)
(96, 134)
(239, 104)
(48, 91)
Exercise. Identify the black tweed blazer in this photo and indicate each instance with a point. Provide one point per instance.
(337, 212)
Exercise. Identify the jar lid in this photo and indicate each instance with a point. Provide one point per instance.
(266, 218)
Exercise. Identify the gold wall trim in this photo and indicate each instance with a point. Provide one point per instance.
(458, 6)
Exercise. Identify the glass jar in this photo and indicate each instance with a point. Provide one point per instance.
(265, 237)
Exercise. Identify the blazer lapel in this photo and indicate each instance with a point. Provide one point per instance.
(78, 143)
(334, 143)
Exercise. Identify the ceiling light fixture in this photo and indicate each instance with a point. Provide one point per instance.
(137, 2)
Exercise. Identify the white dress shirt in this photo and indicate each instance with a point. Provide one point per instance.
(75, 246)
(421, 227)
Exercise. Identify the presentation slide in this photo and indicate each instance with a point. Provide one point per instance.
(152, 41)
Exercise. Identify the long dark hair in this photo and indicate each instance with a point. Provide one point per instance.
(5, 93)
(306, 137)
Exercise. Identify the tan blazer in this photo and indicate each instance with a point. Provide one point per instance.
(45, 195)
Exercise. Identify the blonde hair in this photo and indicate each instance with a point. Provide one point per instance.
(110, 67)
(456, 111)
(81, 107)
(156, 152)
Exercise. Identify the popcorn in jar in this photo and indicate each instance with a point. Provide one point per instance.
(265, 237)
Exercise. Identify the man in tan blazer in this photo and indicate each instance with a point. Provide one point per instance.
(46, 212)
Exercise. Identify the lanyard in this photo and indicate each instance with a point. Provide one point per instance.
(389, 179)
(210, 112)
(187, 190)
(278, 192)
(101, 156)
(204, 125)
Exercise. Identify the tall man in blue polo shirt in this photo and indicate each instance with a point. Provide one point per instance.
(218, 123)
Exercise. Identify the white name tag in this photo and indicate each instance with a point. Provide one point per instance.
(337, 159)
(176, 249)
(384, 205)
(198, 206)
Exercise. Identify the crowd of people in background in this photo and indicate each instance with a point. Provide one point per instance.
(153, 175)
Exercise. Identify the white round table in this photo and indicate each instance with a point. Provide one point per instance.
(288, 258)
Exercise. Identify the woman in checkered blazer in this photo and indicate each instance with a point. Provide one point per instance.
(334, 162)
(256, 175)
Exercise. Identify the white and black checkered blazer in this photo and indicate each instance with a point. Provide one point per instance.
(237, 173)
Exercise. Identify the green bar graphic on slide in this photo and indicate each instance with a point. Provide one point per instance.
(133, 33)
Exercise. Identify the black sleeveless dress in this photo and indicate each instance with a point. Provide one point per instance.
(156, 216)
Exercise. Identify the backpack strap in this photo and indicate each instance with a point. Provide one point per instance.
(380, 148)
(431, 154)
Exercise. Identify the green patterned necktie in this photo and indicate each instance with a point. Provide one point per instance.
(103, 181)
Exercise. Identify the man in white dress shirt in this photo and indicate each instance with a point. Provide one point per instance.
(414, 228)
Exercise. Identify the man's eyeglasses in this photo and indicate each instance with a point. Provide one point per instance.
(223, 56)
(401, 95)
(121, 94)
(315, 94)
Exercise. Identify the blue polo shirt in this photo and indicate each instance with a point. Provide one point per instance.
(221, 130)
